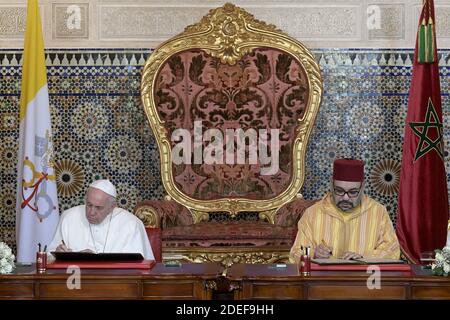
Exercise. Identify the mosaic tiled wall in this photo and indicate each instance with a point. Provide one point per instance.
(100, 129)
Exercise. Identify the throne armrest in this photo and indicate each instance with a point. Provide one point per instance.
(289, 214)
(162, 214)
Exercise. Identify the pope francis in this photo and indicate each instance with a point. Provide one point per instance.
(100, 226)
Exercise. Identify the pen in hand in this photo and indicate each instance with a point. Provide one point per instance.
(63, 247)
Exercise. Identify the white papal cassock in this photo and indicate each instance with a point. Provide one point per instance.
(120, 231)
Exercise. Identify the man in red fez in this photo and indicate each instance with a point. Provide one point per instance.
(346, 223)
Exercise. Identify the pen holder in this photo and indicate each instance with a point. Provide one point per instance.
(41, 261)
(305, 265)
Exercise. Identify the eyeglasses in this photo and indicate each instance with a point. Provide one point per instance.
(351, 193)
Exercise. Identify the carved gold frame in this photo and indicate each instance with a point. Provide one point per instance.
(226, 256)
(229, 33)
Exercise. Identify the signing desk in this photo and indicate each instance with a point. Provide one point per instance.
(188, 281)
(271, 282)
(198, 281)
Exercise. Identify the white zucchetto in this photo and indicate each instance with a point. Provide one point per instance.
(105, 185)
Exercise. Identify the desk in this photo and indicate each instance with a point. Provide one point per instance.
(190, 281)
(268, 282)
(198, 281)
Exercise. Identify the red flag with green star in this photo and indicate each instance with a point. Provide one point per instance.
(423, 199)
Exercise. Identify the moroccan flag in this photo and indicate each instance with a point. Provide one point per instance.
(423, 199)
(37, 213)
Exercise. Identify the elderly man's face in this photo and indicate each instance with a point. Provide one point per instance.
(98, 205)
(347, 194)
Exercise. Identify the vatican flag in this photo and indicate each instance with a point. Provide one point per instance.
(37, 213)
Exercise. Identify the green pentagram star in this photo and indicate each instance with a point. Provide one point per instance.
(420, 129)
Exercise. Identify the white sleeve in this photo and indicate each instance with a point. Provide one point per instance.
(138, 241)
(57, 238)
(147, 248)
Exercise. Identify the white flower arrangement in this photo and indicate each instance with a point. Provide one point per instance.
(6, 259)
(441, 265)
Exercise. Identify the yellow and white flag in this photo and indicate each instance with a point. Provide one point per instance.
(37, 212)
(448, 234)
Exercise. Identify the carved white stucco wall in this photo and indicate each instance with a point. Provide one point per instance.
(145, 24)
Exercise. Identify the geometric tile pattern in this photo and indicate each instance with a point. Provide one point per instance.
(100, 129)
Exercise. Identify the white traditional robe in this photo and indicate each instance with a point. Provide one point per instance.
(448, 235)
(126, 233)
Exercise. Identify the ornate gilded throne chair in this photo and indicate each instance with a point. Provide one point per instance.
(232, 102)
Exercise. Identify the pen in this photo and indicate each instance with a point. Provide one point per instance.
(45, 248)
(39, 247)
(62, 240)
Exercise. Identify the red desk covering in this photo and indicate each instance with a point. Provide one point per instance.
(360, 267)
(144, 264)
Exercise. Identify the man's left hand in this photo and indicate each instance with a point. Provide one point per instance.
(351, 255)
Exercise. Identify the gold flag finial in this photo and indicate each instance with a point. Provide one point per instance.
(425, 50)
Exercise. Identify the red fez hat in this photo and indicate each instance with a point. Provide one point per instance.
(348, 170)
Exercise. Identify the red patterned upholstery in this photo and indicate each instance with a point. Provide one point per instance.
(170, 213)
(266, 89)
(228, 233)
(289, 214)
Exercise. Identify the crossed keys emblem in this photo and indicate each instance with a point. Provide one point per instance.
(34, 190)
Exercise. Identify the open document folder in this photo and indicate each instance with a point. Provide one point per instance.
(356, 261)
(88, 256)
(85, 260)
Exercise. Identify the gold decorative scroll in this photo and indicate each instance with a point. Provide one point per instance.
(149, 216)
(228, 256)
